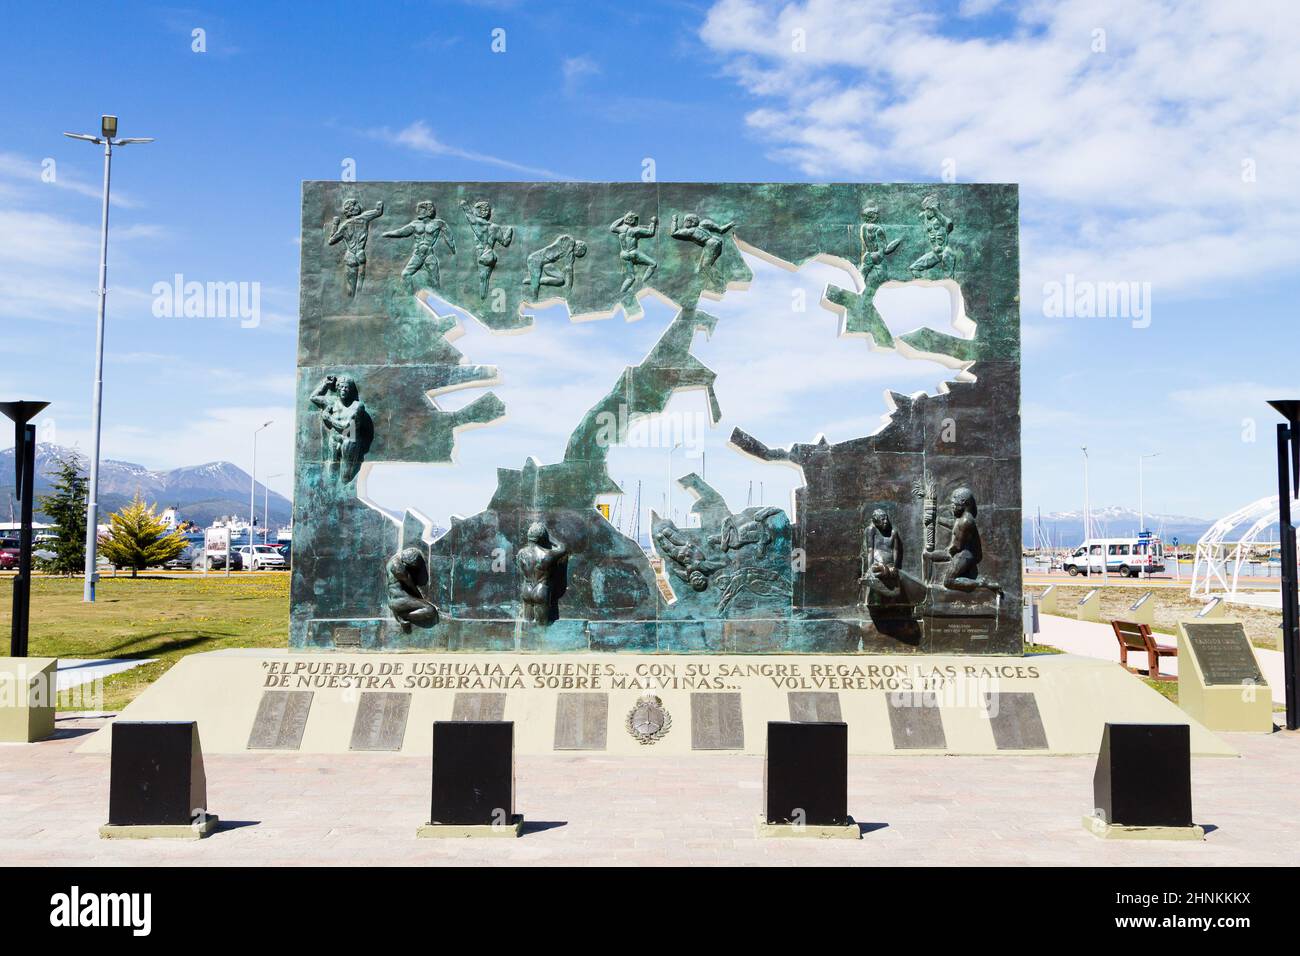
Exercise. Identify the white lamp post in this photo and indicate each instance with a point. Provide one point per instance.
(108, 139)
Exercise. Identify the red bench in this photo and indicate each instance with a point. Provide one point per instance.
(1137, 637)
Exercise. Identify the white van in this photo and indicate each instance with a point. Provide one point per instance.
(1127, 557)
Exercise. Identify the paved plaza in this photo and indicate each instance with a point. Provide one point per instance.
(363, 809)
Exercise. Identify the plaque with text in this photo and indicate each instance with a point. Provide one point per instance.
(347, 636)
(814, 706)
(381, 721)
(469, 706)
(916, 724)
(1016, 722)
(1223, 653)
(716, 722)
(281, 719)
(581, 721)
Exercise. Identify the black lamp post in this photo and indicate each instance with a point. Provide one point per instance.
(1288, 487)
(24, 479)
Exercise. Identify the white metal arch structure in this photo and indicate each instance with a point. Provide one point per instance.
(1218, 559)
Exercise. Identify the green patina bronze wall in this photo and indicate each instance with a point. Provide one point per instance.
(907, 540)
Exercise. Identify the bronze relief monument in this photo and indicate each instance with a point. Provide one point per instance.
(905, 540)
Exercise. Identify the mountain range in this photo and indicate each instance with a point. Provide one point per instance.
(201, 493)
(1064, 529)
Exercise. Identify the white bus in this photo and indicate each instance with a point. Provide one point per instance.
(1127, 557)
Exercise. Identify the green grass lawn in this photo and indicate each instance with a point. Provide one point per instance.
(153, 617)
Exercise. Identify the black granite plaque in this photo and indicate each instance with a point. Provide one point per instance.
(1016, 723)
(281, 719)
(156, 774)
(381, 721)
(468, 706)
(473, 772)
(814, 705)
(806, 773)
(716, 722)
(1223, 652)
(915, 722)
(581, 721)
(345, 637)
(1144, 775)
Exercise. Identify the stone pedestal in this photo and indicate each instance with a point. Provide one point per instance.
(1142, 787)
(1220, 682)
(1089, 607)
(27, 698)
(157, 786)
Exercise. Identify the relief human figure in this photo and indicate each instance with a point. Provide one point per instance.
(875, 247)
(487, 236)
(964, 551)
(427, 230)
(538, 561)
(882, 556)
(707, 234)
(684, 559)
(345, 424)
(630, 233)
(407, 574)
(937, 228)
(564, 250)
(353, 230)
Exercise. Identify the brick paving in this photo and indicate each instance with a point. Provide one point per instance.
(362, 809)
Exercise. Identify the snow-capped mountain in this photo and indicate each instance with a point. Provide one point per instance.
(1065, 528)
(200, 492)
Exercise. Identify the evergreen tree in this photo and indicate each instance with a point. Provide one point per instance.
(137, 538)
(66, 509)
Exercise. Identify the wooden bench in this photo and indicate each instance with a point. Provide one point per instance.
(1137, 637)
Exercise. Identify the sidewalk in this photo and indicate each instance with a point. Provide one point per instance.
(362, 809)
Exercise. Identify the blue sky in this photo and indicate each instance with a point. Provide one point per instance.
(1138, 162)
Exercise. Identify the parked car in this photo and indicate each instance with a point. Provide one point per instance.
(216, 561)
(261, 557)
(185, 559)
(9, 554)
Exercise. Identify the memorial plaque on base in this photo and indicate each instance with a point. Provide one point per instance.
(467, 706)
(1016, 722)
(1220, 681)
(281, 719)
(581, 721)
(1223, 653)
(381, 721)
(716, 722)
(916, 725)
(814, 706)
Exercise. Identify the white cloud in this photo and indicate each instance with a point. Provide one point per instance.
(1131, 160)
(575, 69)
(419, 137)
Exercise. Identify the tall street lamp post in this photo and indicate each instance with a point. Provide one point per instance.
(1288, 487)
(24, 481)
(1142, 514)
(108, 139)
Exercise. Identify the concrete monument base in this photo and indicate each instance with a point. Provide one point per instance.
(460, 831)
(848, 831)
(160, 831)
(253, 700)
(27, 698)
(1114, 831)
